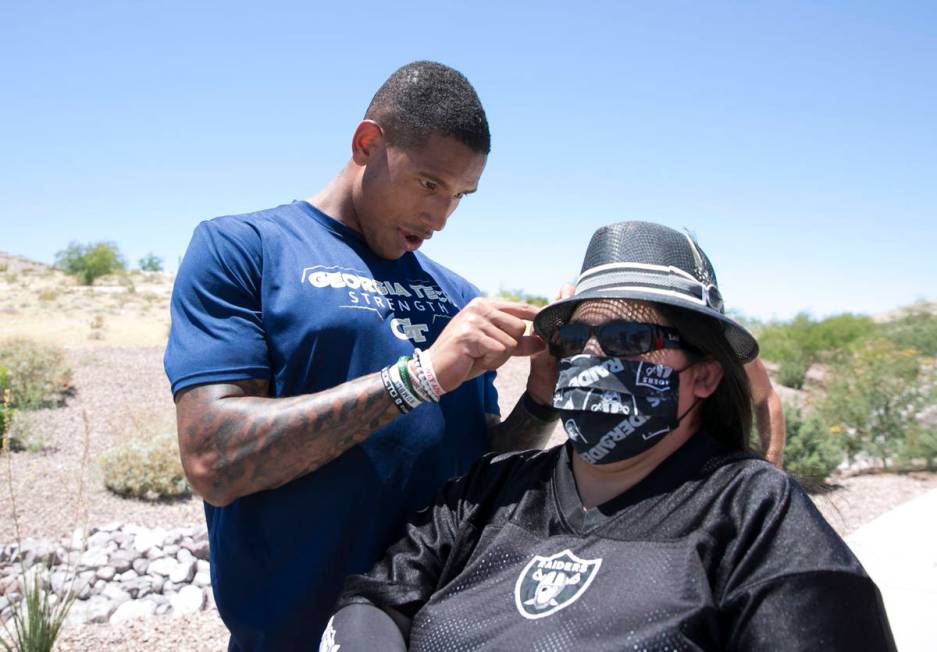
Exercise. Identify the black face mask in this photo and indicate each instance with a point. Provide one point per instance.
(613, 408)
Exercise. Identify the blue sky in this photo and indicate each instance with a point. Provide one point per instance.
(798, 140)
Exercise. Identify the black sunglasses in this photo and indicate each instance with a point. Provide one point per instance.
(618, 338)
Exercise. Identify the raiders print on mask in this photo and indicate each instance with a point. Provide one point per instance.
(548, 584)
(613, 408)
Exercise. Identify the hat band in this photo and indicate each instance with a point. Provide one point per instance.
(653, 281)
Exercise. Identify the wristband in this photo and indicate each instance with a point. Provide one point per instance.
(392, 391)
(426, 364)
(403, 386)
(423, 381)
(541, 412)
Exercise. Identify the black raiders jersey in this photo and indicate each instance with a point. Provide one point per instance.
(713, 550)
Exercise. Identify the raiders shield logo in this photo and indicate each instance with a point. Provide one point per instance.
(548, 584)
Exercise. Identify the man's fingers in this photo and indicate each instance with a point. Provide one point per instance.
(528, 345)
(519, 310)
(565, 292)
(508, 323)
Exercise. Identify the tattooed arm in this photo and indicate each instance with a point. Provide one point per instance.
(520, 431)
(236, 441)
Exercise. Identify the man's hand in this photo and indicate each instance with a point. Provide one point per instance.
(542, 379)
(480, 338)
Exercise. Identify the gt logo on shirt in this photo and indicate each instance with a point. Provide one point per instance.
(403, 329)
(548, 584)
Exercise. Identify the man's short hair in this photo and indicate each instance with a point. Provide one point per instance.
(426, 97)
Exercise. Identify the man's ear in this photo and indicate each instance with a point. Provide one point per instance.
(368, 138)
(706, 378)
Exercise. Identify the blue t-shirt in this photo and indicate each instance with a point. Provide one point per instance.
(293, 296)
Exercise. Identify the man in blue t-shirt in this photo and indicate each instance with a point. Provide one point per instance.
(309, 419)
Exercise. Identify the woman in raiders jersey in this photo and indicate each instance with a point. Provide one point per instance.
(652, 528)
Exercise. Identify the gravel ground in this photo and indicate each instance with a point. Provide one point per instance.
(119, 388)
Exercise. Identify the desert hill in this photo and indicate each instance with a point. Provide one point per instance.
(46, 305)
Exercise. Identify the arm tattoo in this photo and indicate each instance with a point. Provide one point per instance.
(237, 441)
(520, 431)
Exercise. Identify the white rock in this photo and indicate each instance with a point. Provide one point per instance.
(78, 537)
(185, 555)
(140, 565)
(115, 594)
(199, 548)
(131, 610)
(106, 573)
(163, 566)
(98, 540)
(96, 609)
(171, 550)
(182, 573)
(146, 539)
(93, 558)
(202, 579)
(173, 537)
(113, 526)
(121, 561)
(161, 609)
(128, 576)
(155, 553)
(188, 600)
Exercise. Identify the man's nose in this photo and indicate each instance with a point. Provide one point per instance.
(437, 213)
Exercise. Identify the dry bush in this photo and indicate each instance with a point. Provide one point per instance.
(39, 376)
(146, 467)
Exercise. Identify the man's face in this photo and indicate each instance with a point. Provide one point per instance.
(405, 195)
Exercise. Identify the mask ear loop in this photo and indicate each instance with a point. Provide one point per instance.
(676, 423)
(696, 402)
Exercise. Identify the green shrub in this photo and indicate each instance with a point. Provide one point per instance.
(917, 329)
(811, 452)
(792, 371)
(39, 376)
(522, 297)
(147, 468)
(797, 344)
(90, 261)
(151, 263)
(874, 398)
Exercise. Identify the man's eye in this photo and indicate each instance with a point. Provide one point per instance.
(429, 185)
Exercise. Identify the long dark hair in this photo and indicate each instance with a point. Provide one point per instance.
(727, 413)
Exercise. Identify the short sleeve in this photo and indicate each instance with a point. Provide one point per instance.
(217, 331)
(794, 584)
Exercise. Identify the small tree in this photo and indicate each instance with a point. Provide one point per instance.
(874, 398)
(90, 261)
(151, 263)
(811, 452)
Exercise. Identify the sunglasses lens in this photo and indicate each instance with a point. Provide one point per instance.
(569, 339)
(621, 338)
